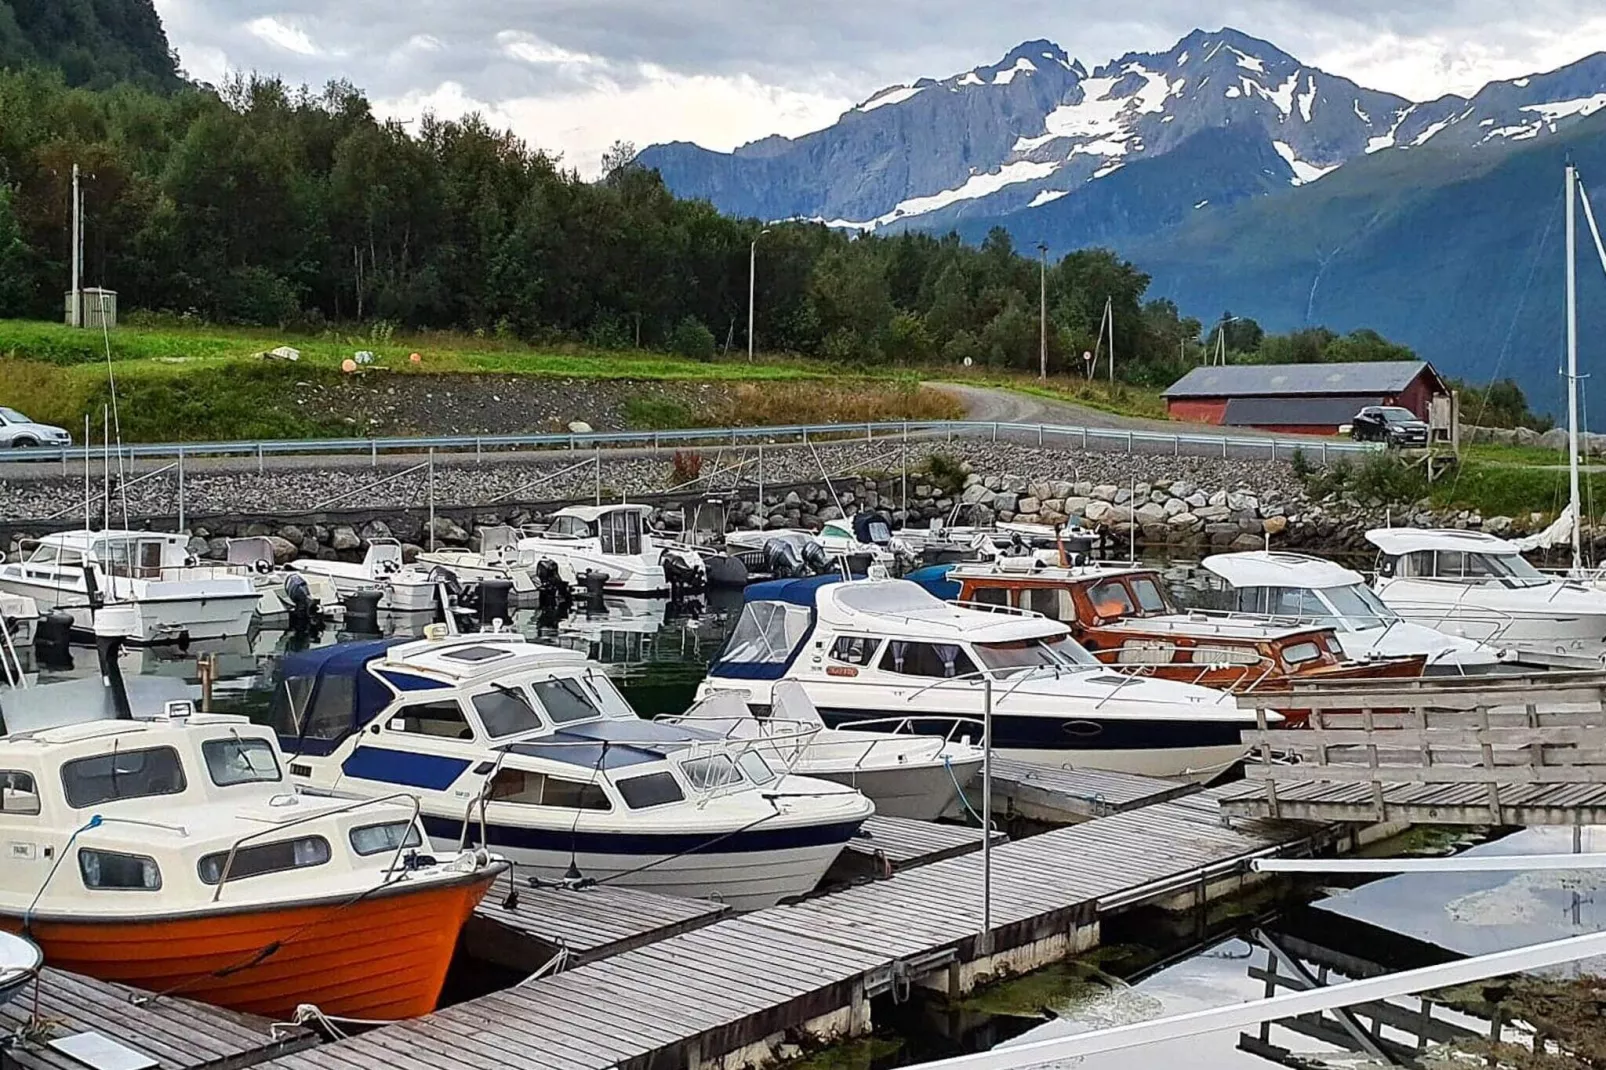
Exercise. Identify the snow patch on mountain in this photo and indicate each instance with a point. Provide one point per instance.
(1303, 172)
(1044, 196)
(895, 95)
(1563, 109)
(970, 78)
(1433, 130)
(1022, 66)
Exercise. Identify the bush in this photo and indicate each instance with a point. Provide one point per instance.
(685, 466)
(610, 334)
(691, 339)
(946, 472)
(644, 412)
(257, 297)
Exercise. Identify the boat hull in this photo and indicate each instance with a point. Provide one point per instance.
(158, 620)
(749, 869)
(923, 792)
(381, 958)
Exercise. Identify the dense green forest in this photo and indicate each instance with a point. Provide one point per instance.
(259, 203)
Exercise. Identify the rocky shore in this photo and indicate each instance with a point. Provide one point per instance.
(1186, 502)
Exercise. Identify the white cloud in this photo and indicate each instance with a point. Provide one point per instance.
(528, 48)
(581, 123)
(284, 35)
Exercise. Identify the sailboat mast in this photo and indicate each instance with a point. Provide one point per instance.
(1572, 364)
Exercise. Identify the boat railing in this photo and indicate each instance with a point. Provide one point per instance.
(992, 607)
(795, 741)
(411, 801)
(906, 726)
(1437, 614)
(1247, 679)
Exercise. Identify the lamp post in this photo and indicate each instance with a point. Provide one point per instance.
(1221, 339)
(752, 277)
(1042, 312)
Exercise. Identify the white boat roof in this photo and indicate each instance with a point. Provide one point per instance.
(462, 658)
(911, 612)
(589, 513)
(1396, 541)
(1029, 568)
(1278, 568)
(81, 539)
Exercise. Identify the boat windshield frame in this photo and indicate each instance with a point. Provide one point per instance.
(1059, 654)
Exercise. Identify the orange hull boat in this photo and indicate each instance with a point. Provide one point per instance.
(383, 958)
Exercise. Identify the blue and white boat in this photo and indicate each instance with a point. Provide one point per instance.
(535, 751)
(889, 652)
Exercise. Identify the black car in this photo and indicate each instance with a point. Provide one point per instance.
(1389, 424)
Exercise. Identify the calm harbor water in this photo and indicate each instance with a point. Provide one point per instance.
(1151, 965)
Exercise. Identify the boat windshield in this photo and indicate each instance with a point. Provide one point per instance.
(1061, 652)
(767, 632)
(507, 711)
(1359, 607)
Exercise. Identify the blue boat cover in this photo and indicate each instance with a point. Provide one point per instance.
(338, 674)
(934, 579)
(799, 592)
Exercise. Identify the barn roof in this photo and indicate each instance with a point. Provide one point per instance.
(1272, 380)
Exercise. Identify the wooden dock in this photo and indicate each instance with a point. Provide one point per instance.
(177, 1033)
(586, 924)
(888, 845)
(1059, 796)
(1468, 750)
(735, 991)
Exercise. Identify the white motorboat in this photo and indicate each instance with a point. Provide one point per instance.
(534, 750)
(403, 588)
(175, 597)
(888, 649)
(863, 538)
(20, 962)
(1474, 585)
(498, 558)
(283, 593)
(904, 774)
(1309, 589)
(166, 850)
(613, 540)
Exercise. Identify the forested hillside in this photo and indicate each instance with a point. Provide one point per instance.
(92, 42)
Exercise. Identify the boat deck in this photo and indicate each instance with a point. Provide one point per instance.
(177, 1033)
(748, 983)
(1059, 795)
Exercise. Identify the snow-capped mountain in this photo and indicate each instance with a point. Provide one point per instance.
(1036, 128)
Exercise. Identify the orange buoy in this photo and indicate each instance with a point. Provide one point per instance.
(416, 359)
(348, 365)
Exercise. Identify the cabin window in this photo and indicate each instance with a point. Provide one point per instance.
(527, 788)
(609, 700)
(113, 871)
(569, 527)
(654, 789)
(443, 720)
(1111, 600)
(854, 650)
(19, 794)
(129, 774)
(1300, 653)
(1150, 598)
(941, 661)
(990, 596)
(237, 760)
(476, 654)
(70, 559)
(715, 771)
(1051, 602)
(1209, 654)
(44, 554)
(1282, 602)
(391, 836)
(507, 711)
(755, 767)
(620, 532)
(260, 859)
(566, 700)
(1148, 652)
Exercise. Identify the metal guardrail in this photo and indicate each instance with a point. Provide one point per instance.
(1271, 447)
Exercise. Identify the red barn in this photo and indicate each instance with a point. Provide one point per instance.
(1309, 399)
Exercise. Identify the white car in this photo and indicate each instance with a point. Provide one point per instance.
(19, 432)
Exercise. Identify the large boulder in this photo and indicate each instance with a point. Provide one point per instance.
(1150, 513)
(1274, 525)
(344, 538)
(284, 551)
(1104, 492)
(1073, 506)
(1246, 542)
(448, 531)
(1554, 439)
(376, 529)
(1174, 507)
(1525, 436)
(978, 494)
(1497, 525)
(1028, 505)
(1184, 522)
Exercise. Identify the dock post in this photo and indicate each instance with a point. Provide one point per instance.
(985, 944)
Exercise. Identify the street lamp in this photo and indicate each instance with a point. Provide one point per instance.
(1042, 301)
(752, 277)
(1221, 339)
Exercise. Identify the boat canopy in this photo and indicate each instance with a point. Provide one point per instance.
(324, 695)
(1261, 568)
(908, 611)
(1397, 542)
(797, 592)
(936, 579)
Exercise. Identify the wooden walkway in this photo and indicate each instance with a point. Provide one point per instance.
(1430, 804)
(588, 923)
(177, 1033)
(1060, 796)
(900, 843)
(742, 983)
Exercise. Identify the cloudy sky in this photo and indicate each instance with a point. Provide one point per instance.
(571, 76)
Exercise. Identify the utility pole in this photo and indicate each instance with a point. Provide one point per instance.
(1109, 313)
(75, 316)
(1572, 362)
(752, 277)
(1042, 303)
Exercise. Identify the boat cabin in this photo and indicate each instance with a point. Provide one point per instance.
(1125, 615)
(618, 529)
(1453, 557)
(59, 558)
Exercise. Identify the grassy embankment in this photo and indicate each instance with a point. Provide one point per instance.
(177, 384)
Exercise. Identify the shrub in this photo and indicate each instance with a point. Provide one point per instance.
(685, 466)
(945, 472)
(691, 339)
(644, 412)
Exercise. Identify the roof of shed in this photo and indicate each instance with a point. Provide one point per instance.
(1272, 380)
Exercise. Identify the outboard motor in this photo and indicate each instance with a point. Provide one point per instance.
(305, 613)
(362, 612)
(52, 640)
(495, 599)
(782, 558)
(554, 596)
(815, 558)
(595, 582)
(872, 528)
(685, 573)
